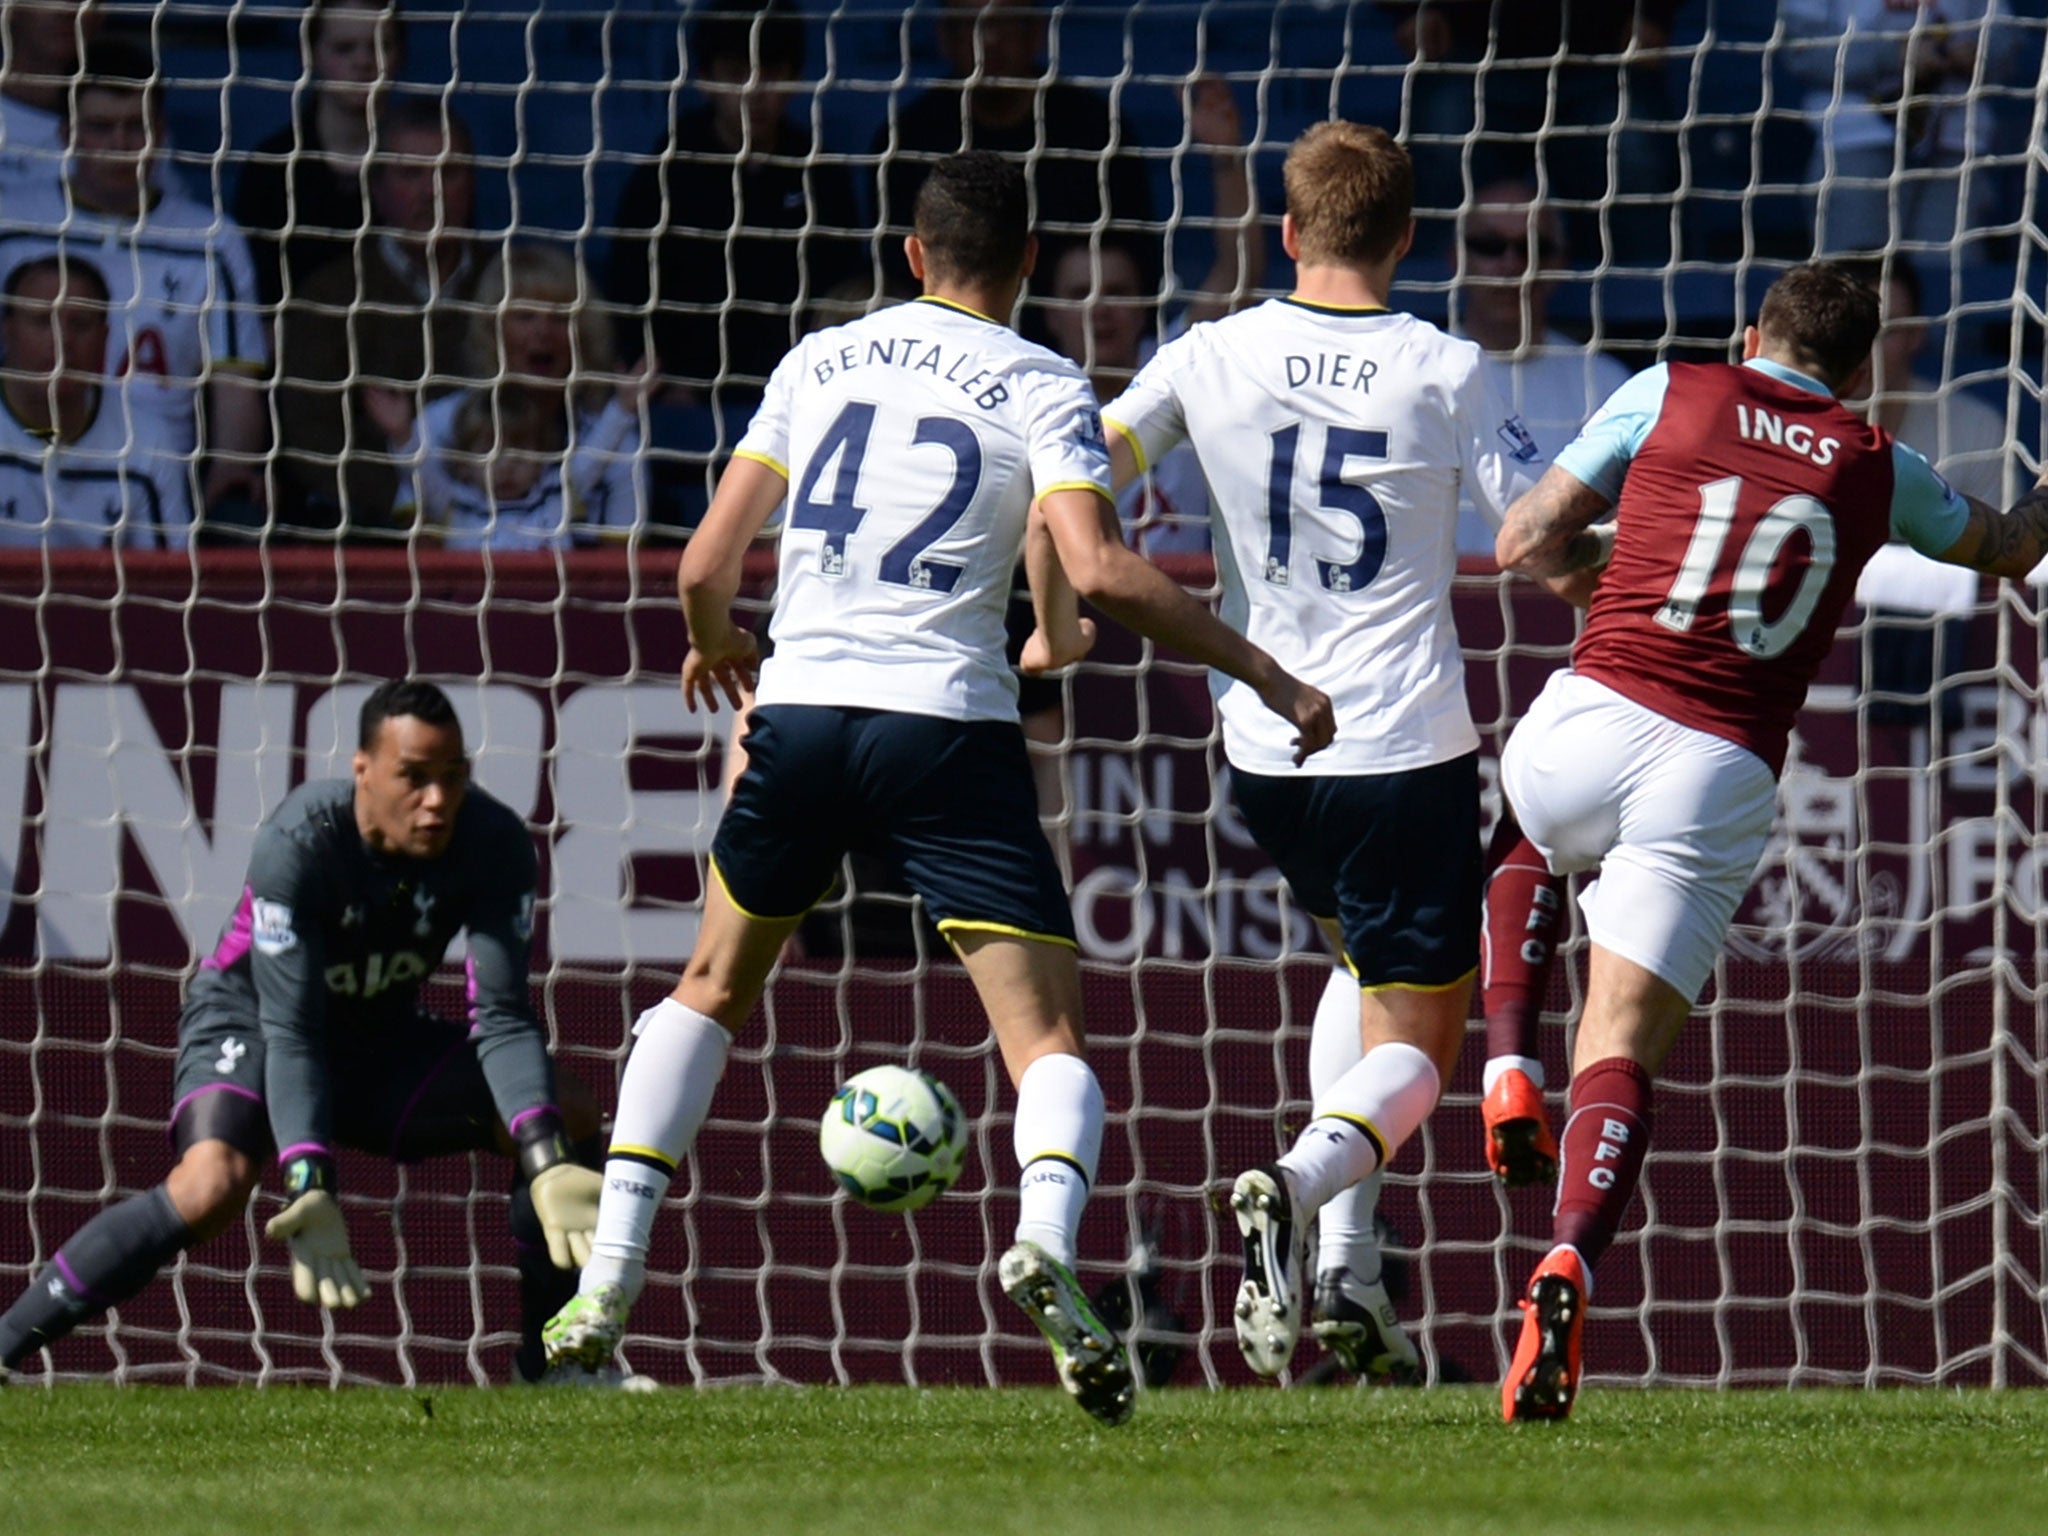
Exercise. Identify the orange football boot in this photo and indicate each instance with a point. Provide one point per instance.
(1543, 1378)
(1519, 1147)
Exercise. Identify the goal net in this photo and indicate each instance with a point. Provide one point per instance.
(1850, 1167)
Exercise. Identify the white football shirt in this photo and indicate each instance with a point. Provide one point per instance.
(181, 289)
(914, 441)
(119, 483)
(590, 493)
(1335, 442)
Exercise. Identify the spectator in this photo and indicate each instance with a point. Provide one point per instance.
(1889, 92)
(554, 401)
(1962, 436)
(301, 195)
(1000, 99)
(40, 45)
(76, 470)
(1512, 245)
(1101, 316)
(392, 321)
(1576, 80)
(183, 323)
(733, 225)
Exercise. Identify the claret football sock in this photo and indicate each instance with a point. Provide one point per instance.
(1603, 1147)
(105, 1262)
(664, 1100)
(1361, 1121)
(1345, 1239)
(1518, 941)
(1058, 1138)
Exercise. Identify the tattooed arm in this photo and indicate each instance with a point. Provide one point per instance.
(1549, 535)
(2009, 543)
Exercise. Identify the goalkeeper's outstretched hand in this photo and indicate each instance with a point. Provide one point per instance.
(323, 1269)
(565, 1199)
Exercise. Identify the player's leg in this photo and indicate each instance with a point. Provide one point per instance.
(222, 1138)
(1031, 989)
(776, 852)
(1681, 819)
(1404, 882)
(1518, 943)
(959, 820)
(1352, 1315)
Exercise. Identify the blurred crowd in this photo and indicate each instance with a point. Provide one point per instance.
(321, 344)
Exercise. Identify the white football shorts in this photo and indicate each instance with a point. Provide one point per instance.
(1674, 819)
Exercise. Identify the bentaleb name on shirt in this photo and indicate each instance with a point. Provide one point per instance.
(1330, 370)
(917, 355)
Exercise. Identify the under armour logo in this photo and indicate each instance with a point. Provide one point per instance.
(423, 903)
(231, 1052)
(56, 1287)
(354, 916)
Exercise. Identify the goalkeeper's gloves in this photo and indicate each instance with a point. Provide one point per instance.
(312, 1227)
(565, 1199)
(565, 1193)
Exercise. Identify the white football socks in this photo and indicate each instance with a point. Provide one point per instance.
(1346, 1239)
(1058, 1137)
(1392, 1090)
(664, 1099)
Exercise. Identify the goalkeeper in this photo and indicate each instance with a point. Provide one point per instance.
(302, 1032)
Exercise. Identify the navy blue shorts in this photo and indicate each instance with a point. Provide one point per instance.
(409, 1091)
(1394, 858)
(949, 805)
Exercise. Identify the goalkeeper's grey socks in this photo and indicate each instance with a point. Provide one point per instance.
(106, 1261)
(1361, 1121)
(664, 1100)
(1346, 1239)
(1058, 1137)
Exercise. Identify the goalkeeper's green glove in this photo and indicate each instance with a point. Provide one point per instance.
(323, 1270)
(565, 1198)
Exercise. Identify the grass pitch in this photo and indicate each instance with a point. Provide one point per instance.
(892, 1461)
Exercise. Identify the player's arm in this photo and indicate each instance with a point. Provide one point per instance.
(1548, 534)
(512, 1050)
(2009, 543)
(287, 964)
(1138, 595)
(1061, 636)
(723, 656)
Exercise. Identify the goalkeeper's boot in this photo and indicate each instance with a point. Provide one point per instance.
(1274, 1296)
(1543, 1378)
(587, 1331)
(1519, 1147)
(1356, 1322)
(1091, 1360)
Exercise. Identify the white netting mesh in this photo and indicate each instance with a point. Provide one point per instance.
(1849, 1174)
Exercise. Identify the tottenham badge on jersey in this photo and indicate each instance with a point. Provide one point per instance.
(270, 926)
(1521, 446)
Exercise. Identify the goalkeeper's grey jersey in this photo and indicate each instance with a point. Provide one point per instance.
(330, 942)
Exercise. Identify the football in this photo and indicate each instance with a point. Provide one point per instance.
(894, 1138)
